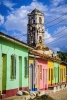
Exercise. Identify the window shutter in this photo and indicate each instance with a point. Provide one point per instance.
(13, 66)
(26, 66)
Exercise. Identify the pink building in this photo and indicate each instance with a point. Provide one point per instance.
(42, 74)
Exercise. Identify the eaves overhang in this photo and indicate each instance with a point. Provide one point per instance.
(7, 37)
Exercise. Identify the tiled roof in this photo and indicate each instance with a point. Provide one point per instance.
(36, 11)
(44, 56)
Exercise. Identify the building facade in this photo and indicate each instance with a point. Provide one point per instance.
(56, 72)
(50, 73)
(13, 66)
(42, 74)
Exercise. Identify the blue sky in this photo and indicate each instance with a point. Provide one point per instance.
(13, 20)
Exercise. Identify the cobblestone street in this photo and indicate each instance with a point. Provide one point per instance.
(59, 95)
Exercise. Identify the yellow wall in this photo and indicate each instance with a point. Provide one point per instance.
(62, 73)
(50, 75)
(31, 61)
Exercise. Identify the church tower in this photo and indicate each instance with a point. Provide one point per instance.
(35, 28)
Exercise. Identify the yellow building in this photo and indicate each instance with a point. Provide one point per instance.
(62, 73)
(32, 73)
(31, 66)
(50, 72)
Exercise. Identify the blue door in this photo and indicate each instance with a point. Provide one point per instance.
(31, 76)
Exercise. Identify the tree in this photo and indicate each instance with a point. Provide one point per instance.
(62, 55)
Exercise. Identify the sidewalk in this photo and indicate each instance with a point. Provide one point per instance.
(59, 95)
(26, 97)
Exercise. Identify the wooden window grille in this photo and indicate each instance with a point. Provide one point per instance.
(13, 67)
(52, 74)
(49, 74)
(26, 66)
(64, 73)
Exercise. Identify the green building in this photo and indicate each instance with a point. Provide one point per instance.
(13, 66)
(56, 73)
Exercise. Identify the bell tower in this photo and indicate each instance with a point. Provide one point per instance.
(35, 28)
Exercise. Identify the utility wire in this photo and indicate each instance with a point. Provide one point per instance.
(60, 43)
(56, 23)
(58, 39)
(46, 38)
(55, 19)
(63, 46)
(56, 34)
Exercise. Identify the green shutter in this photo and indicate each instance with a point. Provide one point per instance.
(13, 66)
(26, 66)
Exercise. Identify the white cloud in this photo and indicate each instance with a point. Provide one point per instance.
(48, 37)
(8, 4)
(20, 36)
(17, 20)
(1, 19)
(56, 49)
(60, 39)
(57, 2)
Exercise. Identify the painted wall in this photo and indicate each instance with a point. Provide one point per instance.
(0, 69)
(50, 72)
(32, 73)
(56, 72)
(31, 66)
(62, 74)
(8, 48)
(42, 74)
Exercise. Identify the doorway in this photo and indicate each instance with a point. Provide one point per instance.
(4, 70)
(20, 73)
(31, 76)
(51, 76)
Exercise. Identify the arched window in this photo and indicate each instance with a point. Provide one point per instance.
(40, 20)
(40, 39)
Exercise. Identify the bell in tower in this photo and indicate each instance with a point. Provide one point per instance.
(35, 28)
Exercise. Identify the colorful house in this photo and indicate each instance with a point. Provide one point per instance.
(38, 71)
(32, 72)
(13, 66)
(50, 72)
(42, 74)
(56, 72)
(62, 74)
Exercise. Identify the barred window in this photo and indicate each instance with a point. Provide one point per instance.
(26, 66)
(49, 74)
(64, 73)
(13, 67)
(52, 73)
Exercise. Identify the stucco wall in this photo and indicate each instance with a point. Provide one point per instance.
(42, 83)
(51, 66)
(56, 72)
(9, 48)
